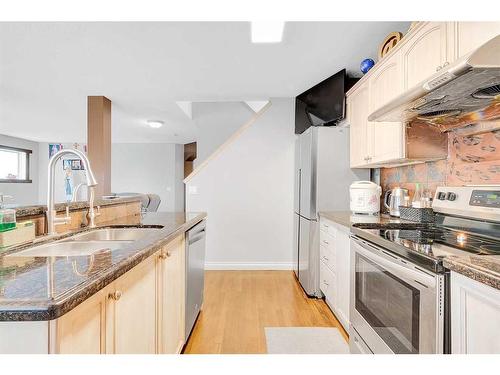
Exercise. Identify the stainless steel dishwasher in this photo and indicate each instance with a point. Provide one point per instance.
(195, 273)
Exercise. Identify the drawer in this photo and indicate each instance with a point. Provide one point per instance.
(325, 239)
(327, 282)
(327, 227)
(327, 256)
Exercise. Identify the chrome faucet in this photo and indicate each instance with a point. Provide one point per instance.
(74, 197)
(91, 182)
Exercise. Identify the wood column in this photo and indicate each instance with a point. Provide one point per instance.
(99, 141)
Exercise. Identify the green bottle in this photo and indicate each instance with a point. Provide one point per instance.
(7, 216)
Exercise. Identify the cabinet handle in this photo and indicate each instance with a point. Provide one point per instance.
(325, 258)
(115, 296)
(446, 63)
(324, 282)
(165, 255)
(325, 241)
(439, 68)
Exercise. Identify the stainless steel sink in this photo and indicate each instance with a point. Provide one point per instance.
(70, 248)
(113, 234)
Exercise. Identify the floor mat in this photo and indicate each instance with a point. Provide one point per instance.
(305, 340)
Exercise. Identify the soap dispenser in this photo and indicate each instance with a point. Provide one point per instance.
(7, 215)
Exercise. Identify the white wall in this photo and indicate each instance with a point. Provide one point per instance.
(216, 122)
(149, 168)
(23, 193)
(247, 191)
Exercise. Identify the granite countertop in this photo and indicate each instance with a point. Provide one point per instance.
(23, 211)
(347, 218)
(482, 268)
(45, 288)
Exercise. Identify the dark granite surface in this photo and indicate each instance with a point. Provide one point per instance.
(23, 211)
(45, 288)
(483, 268)
(347, 219)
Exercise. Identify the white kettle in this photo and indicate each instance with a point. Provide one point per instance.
(365, 197)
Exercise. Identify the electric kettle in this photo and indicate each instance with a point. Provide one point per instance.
(395, 198)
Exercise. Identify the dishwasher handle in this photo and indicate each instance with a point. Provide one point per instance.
(197, 233)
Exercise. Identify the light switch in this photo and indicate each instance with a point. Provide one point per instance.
(193, 190)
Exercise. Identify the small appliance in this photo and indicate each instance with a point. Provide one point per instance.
(365, 197)
(394, 198)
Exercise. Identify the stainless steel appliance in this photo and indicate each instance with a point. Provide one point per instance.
(399, 292)
(195, 273)
(322, 179)
(397, 306)
(394, 198)
(455, 95)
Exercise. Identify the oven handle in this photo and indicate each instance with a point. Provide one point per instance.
(412, 275)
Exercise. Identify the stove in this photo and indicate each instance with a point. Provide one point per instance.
(467, 223)
(399, 287)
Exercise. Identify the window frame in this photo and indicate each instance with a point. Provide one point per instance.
(28, 153)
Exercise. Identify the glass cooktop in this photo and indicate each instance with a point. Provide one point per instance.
(439, 241)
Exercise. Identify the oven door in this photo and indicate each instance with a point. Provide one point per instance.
(395, 306)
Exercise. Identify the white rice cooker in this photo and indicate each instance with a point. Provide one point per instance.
(365, 197)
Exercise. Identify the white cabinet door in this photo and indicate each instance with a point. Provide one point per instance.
(470, 35)
(172, 300)
(357, 109)
(386, 139)
(328, 285)
(83, 329)
(342, 272)
(134, 310)
(335, 269)
(475, 316)
(425, 52)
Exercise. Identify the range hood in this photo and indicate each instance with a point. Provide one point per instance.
(460, 94)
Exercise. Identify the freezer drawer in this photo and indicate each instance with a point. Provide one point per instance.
(309, 257)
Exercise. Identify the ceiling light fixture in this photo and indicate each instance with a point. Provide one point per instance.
(155, 123)
(267, 31)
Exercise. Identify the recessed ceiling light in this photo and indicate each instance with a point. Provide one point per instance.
(267, 31)
(155, 123)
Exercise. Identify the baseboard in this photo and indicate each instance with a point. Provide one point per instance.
(243, 266)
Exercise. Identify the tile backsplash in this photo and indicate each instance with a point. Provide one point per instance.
(472, 159)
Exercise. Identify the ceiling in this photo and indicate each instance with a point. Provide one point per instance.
(48, 69)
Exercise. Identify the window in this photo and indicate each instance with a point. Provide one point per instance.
(14, 164)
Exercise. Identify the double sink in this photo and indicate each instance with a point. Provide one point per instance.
(87, 243)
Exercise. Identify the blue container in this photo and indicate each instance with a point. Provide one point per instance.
(366, 65)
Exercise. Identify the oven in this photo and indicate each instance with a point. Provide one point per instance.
(396, 306)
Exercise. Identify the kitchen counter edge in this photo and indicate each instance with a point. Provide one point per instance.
(58, 308)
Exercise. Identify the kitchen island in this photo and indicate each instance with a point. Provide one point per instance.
(97, 302)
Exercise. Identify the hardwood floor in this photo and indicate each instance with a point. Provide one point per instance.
(239, 304)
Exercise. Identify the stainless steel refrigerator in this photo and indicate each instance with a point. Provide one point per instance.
(322, 179)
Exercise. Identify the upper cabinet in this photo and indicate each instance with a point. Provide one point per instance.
(467, 36)
(357, 115)
(427, 48)
(425, 53)
(386, 139)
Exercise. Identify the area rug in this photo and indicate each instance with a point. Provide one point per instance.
(305, 340)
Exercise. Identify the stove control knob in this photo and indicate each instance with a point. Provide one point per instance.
(451, 196)
(441, 196)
